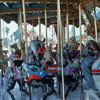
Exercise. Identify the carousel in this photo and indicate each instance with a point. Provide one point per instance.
(71, 70)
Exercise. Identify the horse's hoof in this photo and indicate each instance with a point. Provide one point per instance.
(93, 94)
(55, 93)
(75, 86)
(43, 98)
(13, 98)
(98, 94)
(25, 92)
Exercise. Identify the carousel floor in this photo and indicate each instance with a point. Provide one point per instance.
(37, 94)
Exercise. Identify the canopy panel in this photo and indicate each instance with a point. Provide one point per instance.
(9, 10)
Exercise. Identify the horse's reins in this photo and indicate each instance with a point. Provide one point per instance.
(40, 51)
(95, 71)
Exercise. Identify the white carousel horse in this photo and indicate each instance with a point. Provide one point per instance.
(96, 77)
(35, 51)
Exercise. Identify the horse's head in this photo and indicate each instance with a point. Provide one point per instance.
(67, 50)
(14, 46)
(36, 45)
(48, 54)
(73, 44)
(92, 48)
(39, 47)
(36, 48)
(92, 45)
(17, 55)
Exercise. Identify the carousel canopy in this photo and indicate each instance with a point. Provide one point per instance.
(9, 10)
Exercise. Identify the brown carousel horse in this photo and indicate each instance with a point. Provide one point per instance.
(22, 51)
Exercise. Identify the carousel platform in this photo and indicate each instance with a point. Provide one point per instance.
(37, 93)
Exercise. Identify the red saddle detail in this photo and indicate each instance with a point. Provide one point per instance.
(53, 68)
(46, 67)
(33, 76)
(95, 70)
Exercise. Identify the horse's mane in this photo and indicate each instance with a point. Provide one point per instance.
(14, 46)
(48, 53)
(18, 52)
(73, 43)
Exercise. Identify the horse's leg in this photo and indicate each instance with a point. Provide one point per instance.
(74, 85)
(11, 85)
(30, 97)
(54, 91)
(67, 92)
(59, 85)
(2, 75)
(50, 83)
(11, 95)
(21, 85)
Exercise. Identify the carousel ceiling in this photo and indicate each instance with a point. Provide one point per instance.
(9, 10)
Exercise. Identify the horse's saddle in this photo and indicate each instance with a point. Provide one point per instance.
(18, 62)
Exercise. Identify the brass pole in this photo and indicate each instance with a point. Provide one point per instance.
(19, 27)
(95, 22)
(74, 29)
(21, 34)
(46, 23)
(0, 30)
(67, 20)
(25, 27)
(80, 29)
(3, 29)
(60, 31)
(52, 32)
(32, 29)
(39, 26)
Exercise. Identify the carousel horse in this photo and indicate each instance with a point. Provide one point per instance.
(95, 71)
(50, 64)
(90, 54)
(94, 78)
(71, 66)
(15, 75)
(73, 48)
(30, 73)
(43, 56)
(55, 69)
(35, 51)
